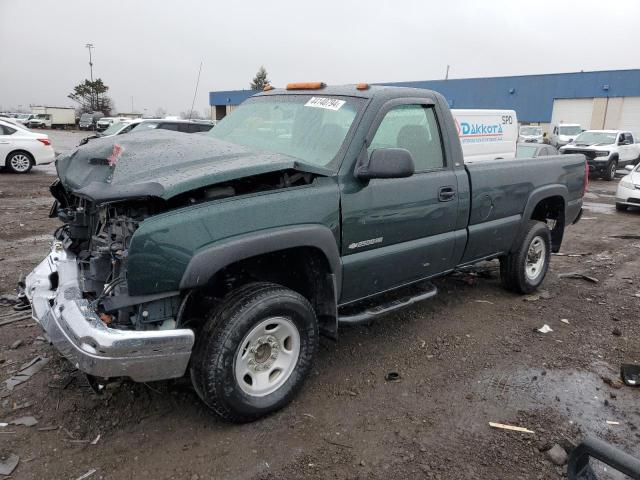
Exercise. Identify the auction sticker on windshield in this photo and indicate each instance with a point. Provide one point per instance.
(323, 102)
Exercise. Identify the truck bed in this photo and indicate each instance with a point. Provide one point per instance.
(503, 192)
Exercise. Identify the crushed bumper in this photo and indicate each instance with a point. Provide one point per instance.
(78, 333)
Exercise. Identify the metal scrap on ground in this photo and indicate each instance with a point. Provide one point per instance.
(9, 464)
(26, 372)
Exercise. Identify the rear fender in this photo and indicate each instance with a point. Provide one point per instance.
(535, 198)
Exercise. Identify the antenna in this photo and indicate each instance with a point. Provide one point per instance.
(196, 92)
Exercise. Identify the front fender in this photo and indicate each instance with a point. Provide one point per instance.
(213, 258)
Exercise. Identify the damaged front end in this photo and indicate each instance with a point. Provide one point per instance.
(79, 295)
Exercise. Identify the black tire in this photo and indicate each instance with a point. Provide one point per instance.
(621, 207)
(513, 270)
(213, 364)
(610, 174)
(15, 162)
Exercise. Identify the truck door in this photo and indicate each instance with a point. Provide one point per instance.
(397, 231)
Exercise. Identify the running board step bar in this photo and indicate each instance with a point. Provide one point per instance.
(385, 308)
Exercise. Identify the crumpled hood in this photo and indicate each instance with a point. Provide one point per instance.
(162, 164)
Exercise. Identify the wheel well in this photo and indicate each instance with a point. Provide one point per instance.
(551, 211)
(18, 151)
(305, 270)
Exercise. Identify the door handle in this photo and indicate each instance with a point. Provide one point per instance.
(446, 194)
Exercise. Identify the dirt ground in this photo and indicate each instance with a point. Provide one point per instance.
(470, 356)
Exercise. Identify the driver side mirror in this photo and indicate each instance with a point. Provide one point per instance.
(387, 163)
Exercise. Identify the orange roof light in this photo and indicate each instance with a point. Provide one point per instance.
(362, 86)
(306, 86)
(267, 87)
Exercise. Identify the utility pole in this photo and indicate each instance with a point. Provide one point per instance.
(90, 46)
(446, 76)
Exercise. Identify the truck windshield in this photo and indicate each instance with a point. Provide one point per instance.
(531, 131)
(569, 129)
(591, 138)
(86, 117)
(310, 128)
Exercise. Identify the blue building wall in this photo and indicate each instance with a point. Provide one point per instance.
(531, 96)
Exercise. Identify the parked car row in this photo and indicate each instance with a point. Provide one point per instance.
(21, 149)
(606, 150)
(140, 124)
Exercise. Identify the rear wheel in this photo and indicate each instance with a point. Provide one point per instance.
(610, 174)
(255, 351)
(524, 269)
(19, 162)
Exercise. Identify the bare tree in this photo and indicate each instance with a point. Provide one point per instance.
(160, 113)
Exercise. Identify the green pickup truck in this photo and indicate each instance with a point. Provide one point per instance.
(227, 254)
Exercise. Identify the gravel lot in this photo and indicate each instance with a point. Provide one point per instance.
(468, 357)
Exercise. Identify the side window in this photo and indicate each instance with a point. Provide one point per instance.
(169, 126)
(185, 127)
(555, 130)
(414, 128)
(630, 138)
(4, 130)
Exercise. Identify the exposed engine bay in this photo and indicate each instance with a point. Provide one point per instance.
(100, 235)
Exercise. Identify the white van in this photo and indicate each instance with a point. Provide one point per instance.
(487, 134)
(564, 133)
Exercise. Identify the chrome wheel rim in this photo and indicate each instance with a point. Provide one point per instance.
(613, 170)
(267, 356)
(536, 256)
(20, 163)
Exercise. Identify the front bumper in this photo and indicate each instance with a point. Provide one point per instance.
(77, 332)
(598, 164)
(628, 196)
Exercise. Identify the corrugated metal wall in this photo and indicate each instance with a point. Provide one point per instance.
(531, 96)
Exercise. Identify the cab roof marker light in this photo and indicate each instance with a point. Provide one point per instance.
(306, 86)
(362, 86)
(267, 87)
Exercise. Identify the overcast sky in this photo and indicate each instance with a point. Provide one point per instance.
(151, 50)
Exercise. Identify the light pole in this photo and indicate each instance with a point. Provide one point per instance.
(90, 46)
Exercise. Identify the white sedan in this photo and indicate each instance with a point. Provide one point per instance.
(21, 149)
(628, 194)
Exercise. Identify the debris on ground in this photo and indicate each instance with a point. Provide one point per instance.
(557, 455)
(26, 372)
(484, 301)
(543, 294)
(28, 421)
(630, 374)
(9, 464)
(510, 427)
(612, 422)
(565, 320)
(612, 383)
(87, 475)
(95, 440)
(616, 331)
(545, 329)
(579, 276)
(571, 254)
(392, 377)
(626, 236)
(16, 344)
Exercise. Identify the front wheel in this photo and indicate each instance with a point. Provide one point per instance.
(610, 174)
(524, 269)
(621, 207)
(254, 351)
